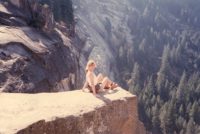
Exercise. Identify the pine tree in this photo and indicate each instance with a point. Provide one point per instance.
(162, 74)
(149, 89)
(180, 90)
(190, 127)
(180, 123)
(194, 112)
(162, 117)
(168, 118)
(155, 120)
(178, 53)
(135, 80)
(181, 111)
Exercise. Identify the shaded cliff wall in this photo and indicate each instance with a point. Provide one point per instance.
(35, 54)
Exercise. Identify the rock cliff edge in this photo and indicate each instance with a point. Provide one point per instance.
(73, 112)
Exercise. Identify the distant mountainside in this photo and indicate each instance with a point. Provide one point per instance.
(118, 34)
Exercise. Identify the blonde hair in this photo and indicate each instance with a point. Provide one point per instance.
(89, 63)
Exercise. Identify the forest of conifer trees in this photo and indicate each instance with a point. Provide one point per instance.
(167, 78)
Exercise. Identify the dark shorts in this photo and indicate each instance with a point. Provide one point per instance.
(97, 87)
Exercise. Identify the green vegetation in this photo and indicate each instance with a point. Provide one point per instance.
(166, 74)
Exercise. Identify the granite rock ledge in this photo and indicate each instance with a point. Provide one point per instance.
(73, 112)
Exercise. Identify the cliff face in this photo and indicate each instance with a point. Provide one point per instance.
(103, 28)
(35, 56)
(74, 112)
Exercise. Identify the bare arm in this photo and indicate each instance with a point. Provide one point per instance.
(85, 85)
(90, 80)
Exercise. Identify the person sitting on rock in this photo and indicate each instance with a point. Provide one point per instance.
(95, 83)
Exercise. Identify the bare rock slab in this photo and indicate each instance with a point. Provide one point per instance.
(73, 112)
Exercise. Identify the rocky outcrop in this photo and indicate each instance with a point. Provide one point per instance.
(74, 112)
(27, 13)
(35, 56)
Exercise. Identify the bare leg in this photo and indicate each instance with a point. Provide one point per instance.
(100, 78)
(85, 85)
(106, 82)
